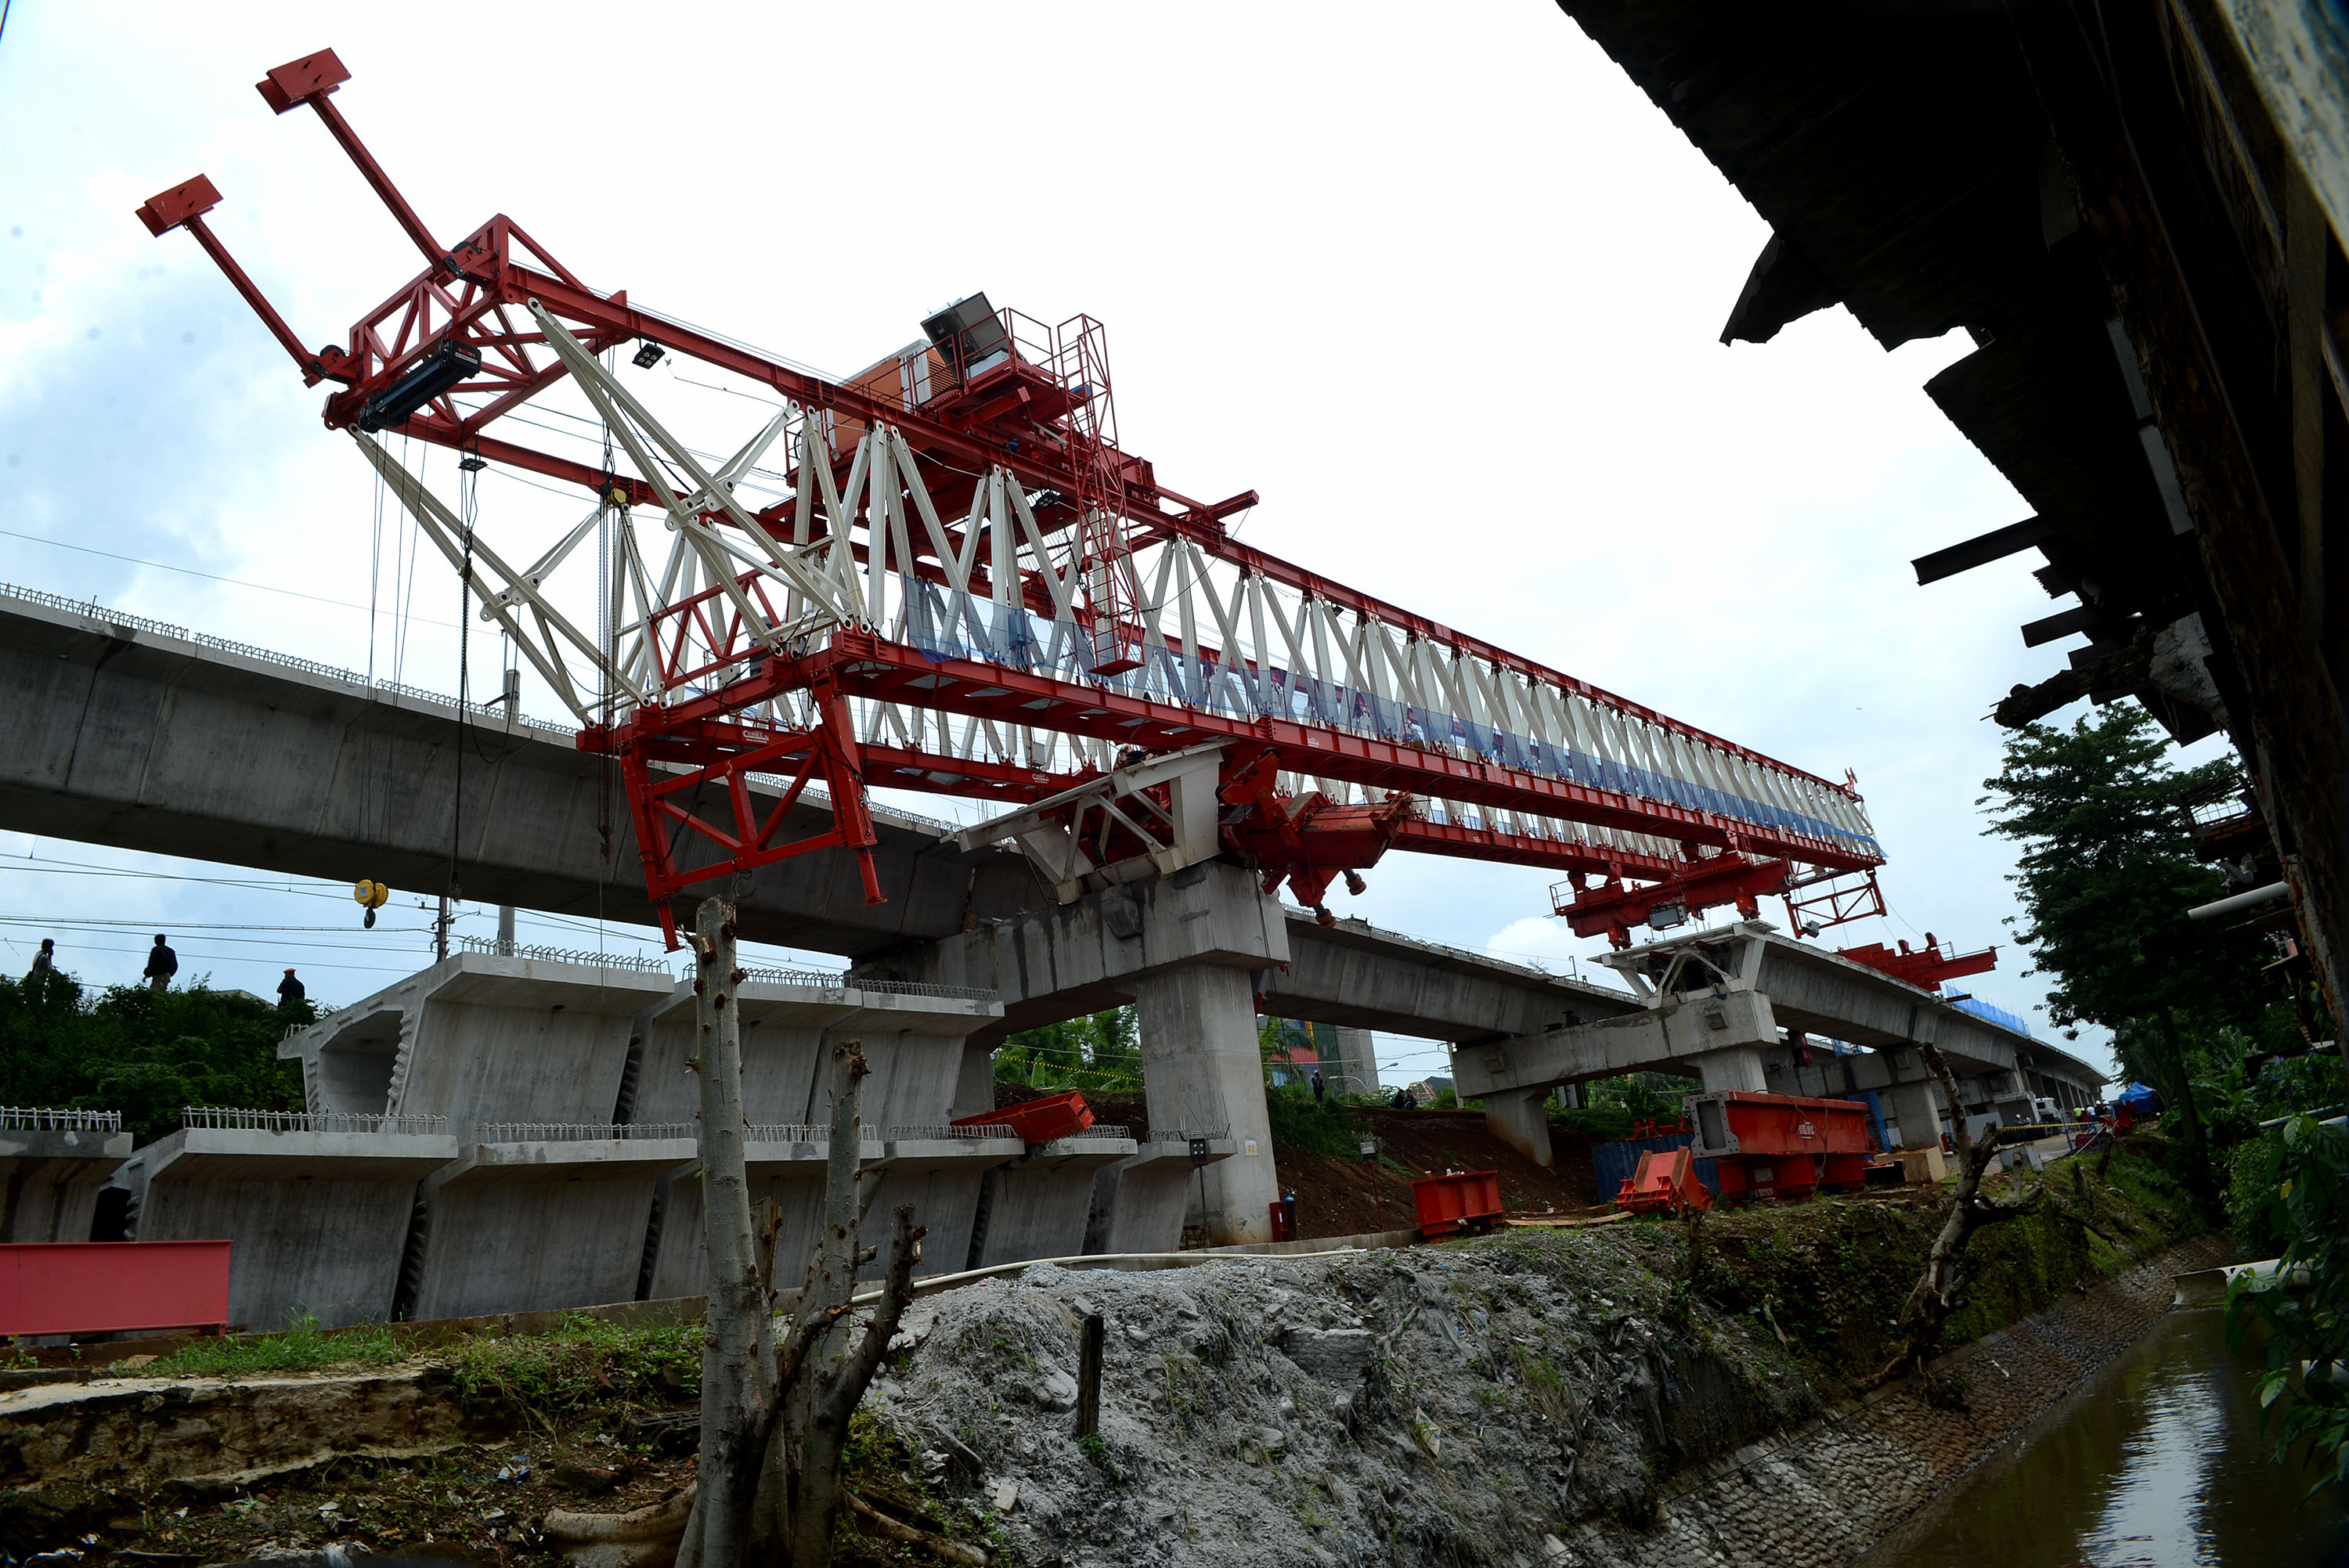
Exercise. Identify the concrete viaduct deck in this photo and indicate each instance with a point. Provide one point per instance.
(142, 737)
(147, 739)
(1714, 1004)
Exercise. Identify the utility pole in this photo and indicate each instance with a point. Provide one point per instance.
(512, 700)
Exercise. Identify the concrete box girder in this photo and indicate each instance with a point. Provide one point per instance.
(49, 1180)
(316, 1219)
(530, 1226)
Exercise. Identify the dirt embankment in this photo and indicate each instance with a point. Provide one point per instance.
(1336, 1196)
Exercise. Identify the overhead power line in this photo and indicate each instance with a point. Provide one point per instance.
(192, 572)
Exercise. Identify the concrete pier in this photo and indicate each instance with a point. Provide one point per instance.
(317, 1208)
(1183, 948)
(1139, 1203)
(52, 1164)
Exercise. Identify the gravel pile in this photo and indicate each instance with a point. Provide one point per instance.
(1469, 1404)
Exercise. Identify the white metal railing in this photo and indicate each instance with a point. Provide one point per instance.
(490, 947)
(923, 988)
(225, 1119)
(489, 708)
(41, 1119)
(787, 1132)
(815, 979)
(826, 980)
(1099, 1129)
(985, 1132)
(578, 1131)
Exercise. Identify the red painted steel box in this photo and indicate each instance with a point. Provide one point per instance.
(105, 1287)
(1038, 1120)
(1456, 1199)
(1780, 1145)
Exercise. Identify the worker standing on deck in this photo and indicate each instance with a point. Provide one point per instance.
(44, 961)
(290, 991)
(161, 964)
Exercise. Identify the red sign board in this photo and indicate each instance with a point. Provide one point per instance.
(101, 1288)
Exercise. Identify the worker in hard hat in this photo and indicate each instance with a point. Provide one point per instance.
(290, 991)
(161, 964)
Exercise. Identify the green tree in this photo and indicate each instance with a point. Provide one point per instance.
(2304, 1303)
(2105, 877)
(1100, 1054)
(145, 1054)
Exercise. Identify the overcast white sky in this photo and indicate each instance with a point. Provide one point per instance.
(1436, 281)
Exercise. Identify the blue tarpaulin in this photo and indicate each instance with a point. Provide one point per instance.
(1615, 1162)
(2141, 1100)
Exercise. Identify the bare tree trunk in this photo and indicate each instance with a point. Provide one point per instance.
(1935, 1293)
(739, 1372)
(838, 1364)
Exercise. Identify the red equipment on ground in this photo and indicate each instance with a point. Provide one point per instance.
(1038, 1120)
(1778, 1146)
(111, 1287)
(1456, 1200)
(1665, 1183)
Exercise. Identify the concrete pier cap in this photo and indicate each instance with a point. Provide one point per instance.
(1183, 948)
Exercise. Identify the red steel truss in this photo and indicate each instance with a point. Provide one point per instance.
(1637, 802)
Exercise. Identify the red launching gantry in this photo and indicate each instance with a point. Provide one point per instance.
(958, 581)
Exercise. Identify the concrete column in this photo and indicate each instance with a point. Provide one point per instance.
(1737, 1067)
(974, 1092)
(1202, 1073)
(1355, 1066)
(1520, 1118)
(1917, 1108)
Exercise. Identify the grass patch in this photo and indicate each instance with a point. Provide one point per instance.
(1309, 1126)
(585, 1360)
(304, 1348)
(1606, 1123)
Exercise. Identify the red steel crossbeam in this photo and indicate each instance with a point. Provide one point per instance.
(1613, 908)
(1925, 967)
(666, 805)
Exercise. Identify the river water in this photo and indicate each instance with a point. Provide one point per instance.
(2159, 1463)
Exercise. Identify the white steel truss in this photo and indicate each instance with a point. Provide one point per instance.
(872, 550)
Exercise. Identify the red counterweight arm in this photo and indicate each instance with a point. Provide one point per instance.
(184, 207)
(312, 79)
